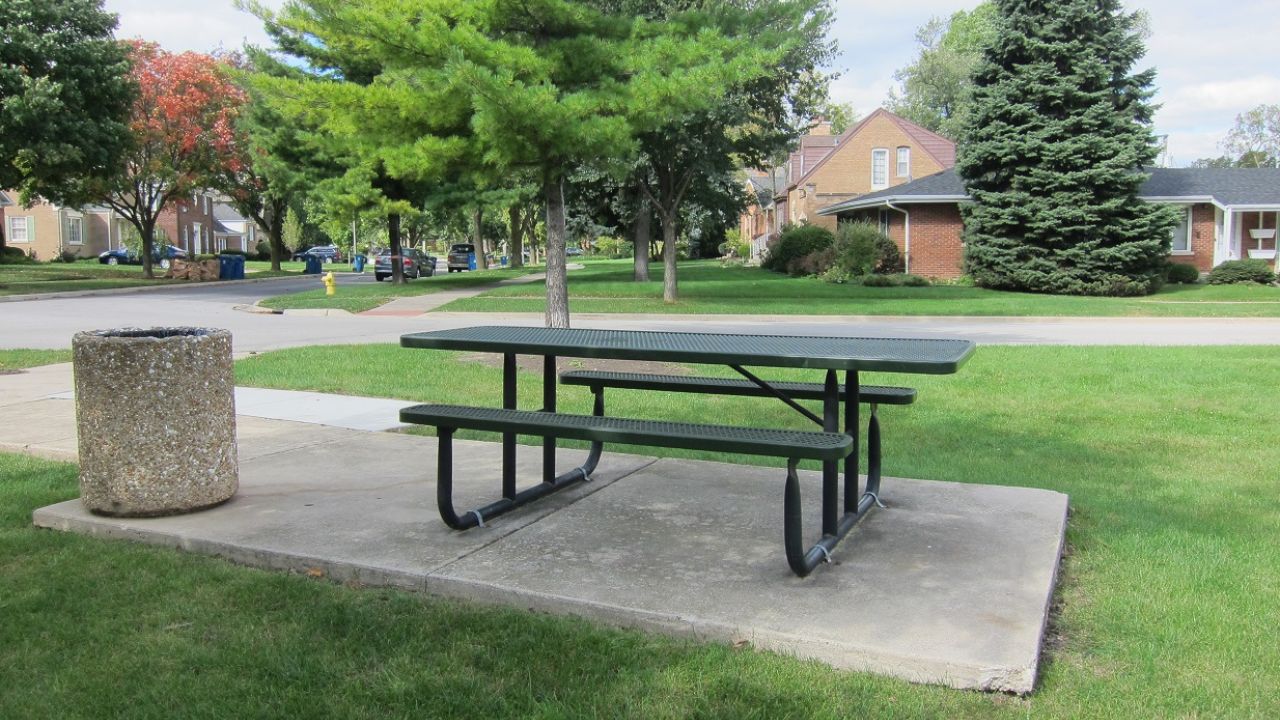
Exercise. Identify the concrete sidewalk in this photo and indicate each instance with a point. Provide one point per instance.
(951, 584)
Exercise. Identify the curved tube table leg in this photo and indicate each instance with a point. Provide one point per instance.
(873, 456)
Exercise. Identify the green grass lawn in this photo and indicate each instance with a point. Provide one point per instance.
(19, 359)
(66, 277)
(358, 298)
(706, 287)
(1166, 609)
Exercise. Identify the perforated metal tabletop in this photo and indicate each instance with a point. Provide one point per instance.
(906, 355)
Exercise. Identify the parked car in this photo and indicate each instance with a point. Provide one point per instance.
(159, 256)
(416, 264)
(460, 256)
(326, 253)
(573, 251)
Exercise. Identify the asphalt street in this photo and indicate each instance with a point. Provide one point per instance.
(50, 322)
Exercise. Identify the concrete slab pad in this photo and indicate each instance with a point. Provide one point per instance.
(344, 411)
(950, 585)
(361, 509)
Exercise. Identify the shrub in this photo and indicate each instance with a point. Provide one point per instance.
(735, 246)
(1183, 273)
(241, 253)
(836, 276)
(795, 242)
(66, 256)
(264, 250)
(861, 249)
(1242, 271)
(815, 263)
(612, 247)
(15, 256)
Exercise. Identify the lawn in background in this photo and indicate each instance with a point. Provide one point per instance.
(1165, 608)
(706, 287)
(368, 296)
(66, 277)
(11, 360)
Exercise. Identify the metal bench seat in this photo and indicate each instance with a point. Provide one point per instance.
(868, 394)
(802, 444)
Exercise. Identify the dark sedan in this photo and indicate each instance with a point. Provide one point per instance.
(416, 264)
(326, 253)
(161, 256)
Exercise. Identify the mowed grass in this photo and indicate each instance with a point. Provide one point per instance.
(708, 288)
(1166, 607)
(11, 360)
(359, 298)
(66, 277)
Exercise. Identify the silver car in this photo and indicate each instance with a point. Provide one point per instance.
(416, 264)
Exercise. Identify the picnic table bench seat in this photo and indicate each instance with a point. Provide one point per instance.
(803, 444)
(867, 394)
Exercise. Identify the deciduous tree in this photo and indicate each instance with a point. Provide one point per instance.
(1058, 137)
(935, 90)
(1255, 139)
(183, 128)
(65, 97)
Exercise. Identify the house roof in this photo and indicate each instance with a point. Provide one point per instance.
(224, 213)
(1225, 187)
(220, 229)
(942, 150)
(4, 199)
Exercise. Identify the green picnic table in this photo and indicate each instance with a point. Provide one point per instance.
(831, 445)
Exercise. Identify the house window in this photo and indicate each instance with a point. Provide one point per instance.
(879, 169)
(19, 229)
(884, 222)
(75, 231)
(904, 162)
(1182, 234)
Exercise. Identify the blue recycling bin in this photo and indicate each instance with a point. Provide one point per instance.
(313, 266)
(357, 263)
(471, 261)
(237, 267)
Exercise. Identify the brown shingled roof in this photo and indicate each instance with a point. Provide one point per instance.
(942, 150)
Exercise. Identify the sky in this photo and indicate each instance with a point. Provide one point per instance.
(1212, 63)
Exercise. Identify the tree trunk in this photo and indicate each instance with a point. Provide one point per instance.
(275, 232)
(397, 257)
(148, 232)
(641, 243)
(477, 238)
(516, 250)
(669, 291)
(557, 282)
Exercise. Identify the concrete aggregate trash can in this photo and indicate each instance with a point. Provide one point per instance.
(156, 420)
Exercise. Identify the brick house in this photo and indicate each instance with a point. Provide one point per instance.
(1228, 214)
(44, 230)
(879, 152)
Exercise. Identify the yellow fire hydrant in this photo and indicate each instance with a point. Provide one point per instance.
(330, 285)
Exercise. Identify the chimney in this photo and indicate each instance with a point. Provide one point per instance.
(823, 127)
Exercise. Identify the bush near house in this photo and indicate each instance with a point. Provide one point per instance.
(1242, 271)
(15, 256)
(1183, 274)
(794, 243)
(894, 280)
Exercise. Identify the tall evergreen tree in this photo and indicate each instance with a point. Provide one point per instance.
(1056, 143)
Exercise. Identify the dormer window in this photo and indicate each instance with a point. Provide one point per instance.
(879, 169)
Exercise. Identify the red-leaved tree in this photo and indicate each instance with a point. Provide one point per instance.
(183, 128)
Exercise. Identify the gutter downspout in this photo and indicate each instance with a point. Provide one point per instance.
(906, 217)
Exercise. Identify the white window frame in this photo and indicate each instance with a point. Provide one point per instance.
(75, 230)
(904, 162)
(1190, 250)
(880, 156)
(27, 235)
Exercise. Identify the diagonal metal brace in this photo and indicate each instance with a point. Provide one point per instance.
(778, 394)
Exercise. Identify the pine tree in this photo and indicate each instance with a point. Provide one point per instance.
(1054, 152)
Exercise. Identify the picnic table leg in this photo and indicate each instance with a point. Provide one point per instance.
(509, 438)
(851, 421)
(549, 379)
(830, 468)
